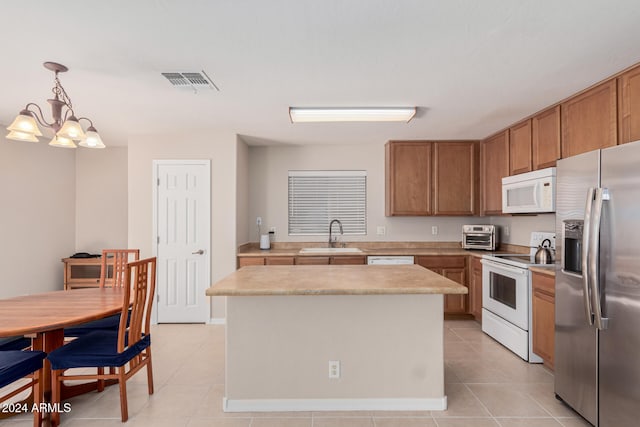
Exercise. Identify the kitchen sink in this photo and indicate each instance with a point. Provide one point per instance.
(330, 251)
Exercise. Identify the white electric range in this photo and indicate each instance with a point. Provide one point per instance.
(506, 297)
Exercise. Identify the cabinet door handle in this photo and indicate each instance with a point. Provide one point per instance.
(198, 252)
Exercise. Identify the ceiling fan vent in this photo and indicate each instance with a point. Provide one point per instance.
(192, 81)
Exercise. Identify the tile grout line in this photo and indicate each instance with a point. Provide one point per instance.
(478, 399)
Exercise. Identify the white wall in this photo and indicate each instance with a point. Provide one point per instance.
(37, 219)
(101, 199)
(242, 193)
(520, 227)
(268, 167)
(221, 149)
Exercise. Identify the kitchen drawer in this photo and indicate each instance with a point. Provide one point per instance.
(312, 260)
(544, 283)
(250, 260)
(348, 260)
(441, 261)
(279, 260)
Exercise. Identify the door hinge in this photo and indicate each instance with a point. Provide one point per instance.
(158, 239)
(157, 297)
(158, 182)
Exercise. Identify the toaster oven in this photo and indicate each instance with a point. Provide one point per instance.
(484, 237)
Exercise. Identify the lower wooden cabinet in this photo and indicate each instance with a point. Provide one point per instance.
(543, 316)
(312, 260)
(451, 267)
(475, 289)
(250, 260)
(348, 260)
(279, 260)
(244, 261)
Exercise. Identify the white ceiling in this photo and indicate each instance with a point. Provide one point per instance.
(472, 67)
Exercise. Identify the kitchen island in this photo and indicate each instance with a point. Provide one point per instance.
(337, 337)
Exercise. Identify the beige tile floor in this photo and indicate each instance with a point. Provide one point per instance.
(486, 385)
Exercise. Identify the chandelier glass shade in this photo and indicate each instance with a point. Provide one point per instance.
(65, 125)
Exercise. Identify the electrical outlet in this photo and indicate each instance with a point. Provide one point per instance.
(334, 369)
(506, 231)
(434, 230)
(259, 220)
(381, 230)
(272, 229)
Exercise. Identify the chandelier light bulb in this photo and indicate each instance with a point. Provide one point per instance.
(71, 129)
(92, 139)
(62, 142)
(22, 136)
(25, 123)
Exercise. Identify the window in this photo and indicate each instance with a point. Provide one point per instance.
(317, 197)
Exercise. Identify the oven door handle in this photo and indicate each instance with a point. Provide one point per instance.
(503, 267)
(586, 245)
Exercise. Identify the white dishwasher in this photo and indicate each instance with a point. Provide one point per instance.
(389, 260)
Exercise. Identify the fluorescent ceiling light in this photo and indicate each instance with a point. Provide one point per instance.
(351, 114)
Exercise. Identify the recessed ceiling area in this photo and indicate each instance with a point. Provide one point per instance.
(471, 67)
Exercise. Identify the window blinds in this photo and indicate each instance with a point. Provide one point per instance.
(317, 197)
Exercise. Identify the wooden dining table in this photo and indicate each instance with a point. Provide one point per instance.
(44, 317)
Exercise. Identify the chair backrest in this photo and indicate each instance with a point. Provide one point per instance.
(117, 259)
(140, 288)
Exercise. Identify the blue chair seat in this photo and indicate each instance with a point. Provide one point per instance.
(14, 343)
(95, 349)
(108, 323)
(16, 364)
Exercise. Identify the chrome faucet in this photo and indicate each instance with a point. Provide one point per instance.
(331, 242)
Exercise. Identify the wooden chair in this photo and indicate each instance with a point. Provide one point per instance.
(19, 364)
(117, 259)
(127, 350)
(112, 274)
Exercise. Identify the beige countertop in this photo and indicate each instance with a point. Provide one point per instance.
(549, 271)
(334, 280)
(369, 248)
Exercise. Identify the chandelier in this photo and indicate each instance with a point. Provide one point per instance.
(65, 125)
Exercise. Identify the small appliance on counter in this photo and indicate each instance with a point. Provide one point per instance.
(484, 237)
(265, 241)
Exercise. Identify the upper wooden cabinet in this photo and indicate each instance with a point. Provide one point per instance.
(455, 178)
(494, 165)
(589, 120)
(408, 178)
(629, 106)
(431, 178)
(520, 148)
(545, 138)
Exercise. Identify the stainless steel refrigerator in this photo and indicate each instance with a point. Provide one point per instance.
(597, 341)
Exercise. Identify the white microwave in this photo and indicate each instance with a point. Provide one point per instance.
(530, 192)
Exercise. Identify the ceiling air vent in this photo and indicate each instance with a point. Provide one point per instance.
(191, 81)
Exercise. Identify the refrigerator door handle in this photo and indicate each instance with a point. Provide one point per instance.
(600, 322)
(586, 244)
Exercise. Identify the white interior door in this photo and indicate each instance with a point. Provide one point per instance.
(182, 217)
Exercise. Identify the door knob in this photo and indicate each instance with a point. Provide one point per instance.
(198, 252)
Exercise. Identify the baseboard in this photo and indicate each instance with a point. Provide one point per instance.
(292, 405)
